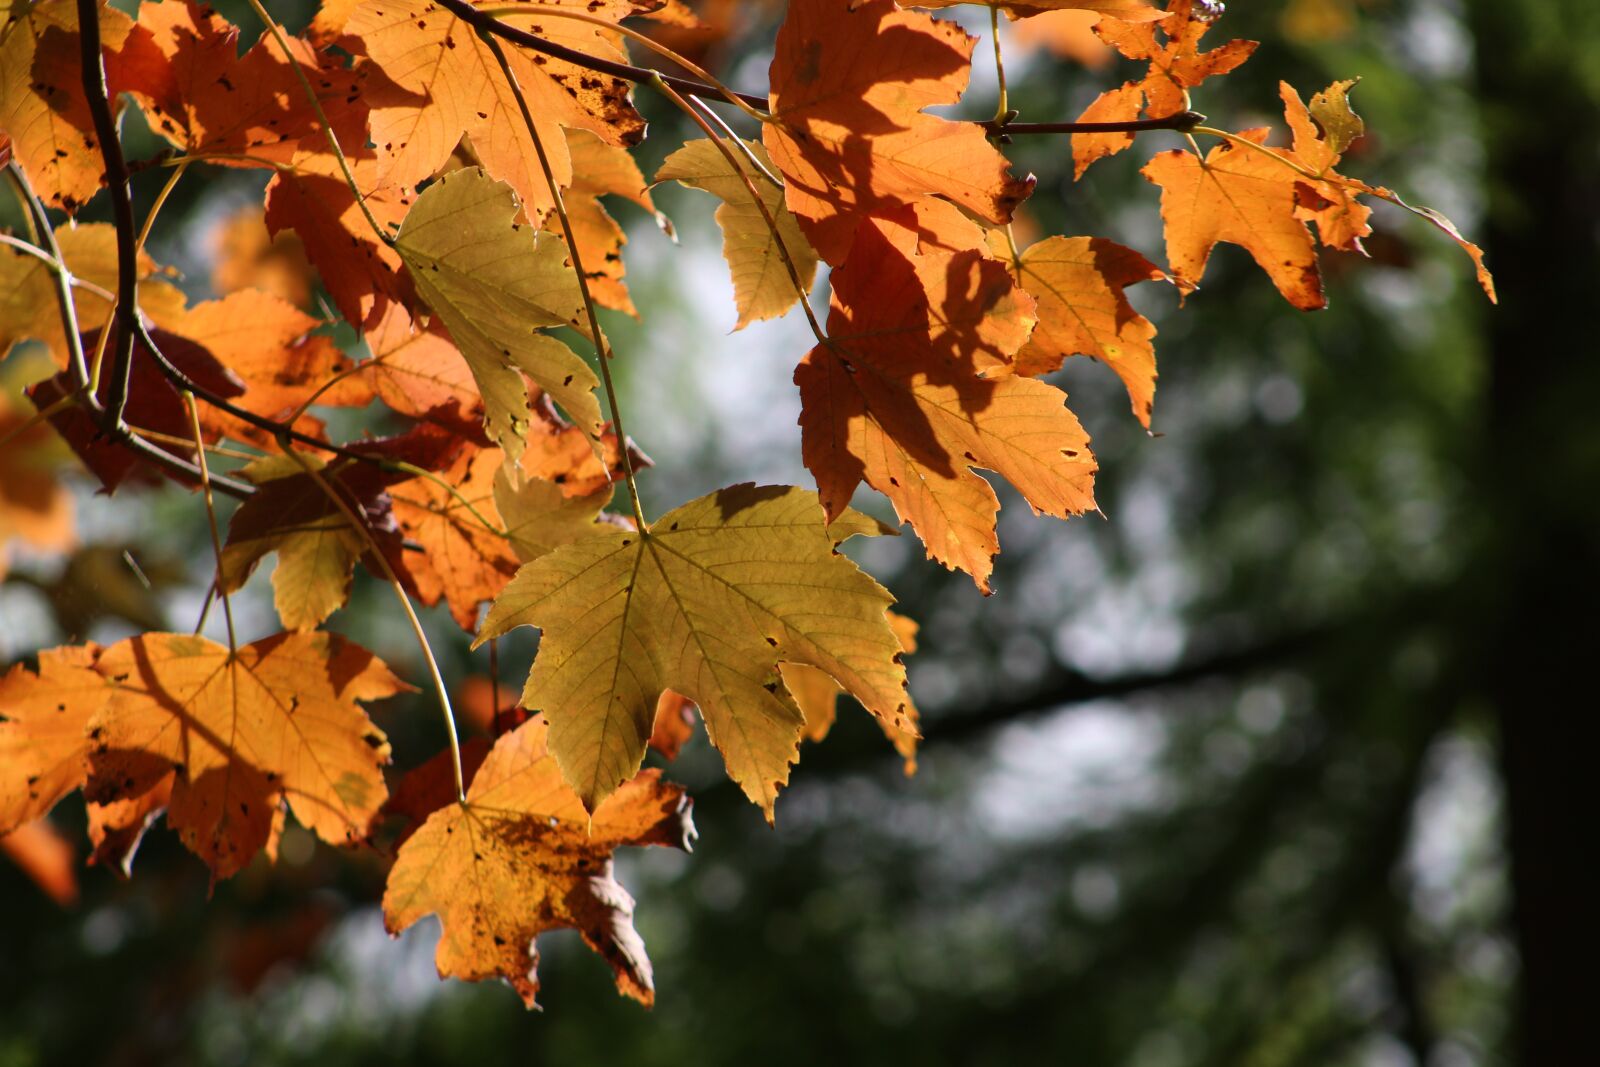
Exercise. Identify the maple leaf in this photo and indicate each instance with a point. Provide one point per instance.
(445, 82)
(898, 398)
(1329, 198)
(182, 64)
(279, 720)
(707, 604)
(817, 696)
(849, 85)
(465, 559)
(292, 515)
(495, 283)
(540, 517)
(1077, 284)
(1244, 197)
(34, 505)
(42, 744)
(1175, 67)
(474, 524)
(419, 373)
(600, 169)
(267, 343)
(153, 404)
(762, 288)
(561, 453)
(313, 200)
(42, 109)
(521, 856)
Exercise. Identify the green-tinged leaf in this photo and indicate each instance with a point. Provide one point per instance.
(762, 288)
(496, 283)
(707, 604)
(539, 517)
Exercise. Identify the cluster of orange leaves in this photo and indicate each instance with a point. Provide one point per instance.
(928, 368)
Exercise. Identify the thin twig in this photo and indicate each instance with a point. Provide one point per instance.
(211, 515)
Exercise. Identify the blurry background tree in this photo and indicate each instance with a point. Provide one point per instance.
(1280, 765)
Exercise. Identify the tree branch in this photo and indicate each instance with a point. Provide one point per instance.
(97, 95)
(1067, 686)
(485, 23)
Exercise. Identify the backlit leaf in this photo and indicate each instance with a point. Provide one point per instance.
(279, 721)
(523, 856)
(719, 592)
(495, 283)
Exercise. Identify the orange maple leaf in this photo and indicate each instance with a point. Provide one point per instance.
(897, 399)
(1077, 284)
(600, 169)
(1176, 66)
(1244, 197)
(522, 856)
(361, 271)
(849, 85)
(420, 374)
(42, 109)
(443, 81)
(43, 747)
(279, 720)
(182, 63)
(463, 561)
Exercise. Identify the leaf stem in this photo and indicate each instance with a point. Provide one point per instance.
(405, 602)
(602, 346)
(1002, 111)
(1233, 138)
(761, 204)
(211, 515)
(322, 118)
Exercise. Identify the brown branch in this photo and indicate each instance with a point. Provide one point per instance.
(97, 95)
(485, 23)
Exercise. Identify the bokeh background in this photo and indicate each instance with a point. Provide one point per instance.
(1278, 763)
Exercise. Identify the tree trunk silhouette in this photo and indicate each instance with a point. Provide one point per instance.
(1541, 480)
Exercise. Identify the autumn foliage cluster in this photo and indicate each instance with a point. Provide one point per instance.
(443, 165)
